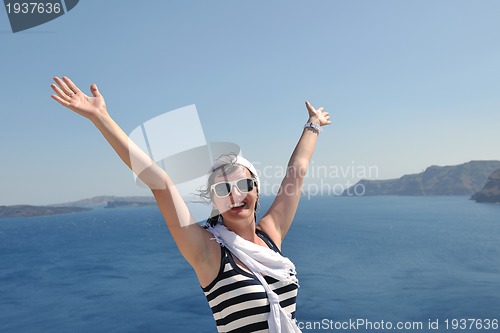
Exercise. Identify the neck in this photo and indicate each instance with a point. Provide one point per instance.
(245, 230)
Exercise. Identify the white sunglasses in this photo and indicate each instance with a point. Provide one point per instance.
(222, 189)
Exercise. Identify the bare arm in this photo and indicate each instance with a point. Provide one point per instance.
(191, 239)
(280, 215)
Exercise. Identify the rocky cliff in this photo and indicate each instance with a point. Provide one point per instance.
(491, 190)
(463, 179)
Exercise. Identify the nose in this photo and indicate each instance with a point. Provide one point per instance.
(235, 192)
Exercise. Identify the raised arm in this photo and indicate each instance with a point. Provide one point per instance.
(280, 215)
(191, 239)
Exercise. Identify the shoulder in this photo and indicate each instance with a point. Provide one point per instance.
(269, 228)
(269, 242)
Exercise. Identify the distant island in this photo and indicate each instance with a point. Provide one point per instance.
(107, 200)
(125, 203)
(30, 211)
(490, 191)
(104, 201)
(463, 179)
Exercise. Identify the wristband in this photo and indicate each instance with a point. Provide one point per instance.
(313, 126)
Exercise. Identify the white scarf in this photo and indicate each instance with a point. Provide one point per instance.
(262, 262)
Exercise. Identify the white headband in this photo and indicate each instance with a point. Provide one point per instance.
(240, 160)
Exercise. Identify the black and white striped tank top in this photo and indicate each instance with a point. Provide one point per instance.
(239, 302)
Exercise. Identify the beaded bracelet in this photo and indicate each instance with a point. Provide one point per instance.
(313, 126)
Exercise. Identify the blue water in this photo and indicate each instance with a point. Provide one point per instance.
(376, 258)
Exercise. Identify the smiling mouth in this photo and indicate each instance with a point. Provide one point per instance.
(236, 205)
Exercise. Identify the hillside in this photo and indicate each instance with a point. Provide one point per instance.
(491, 190)
(462, 179)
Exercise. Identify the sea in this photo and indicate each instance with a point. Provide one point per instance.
(365, 264)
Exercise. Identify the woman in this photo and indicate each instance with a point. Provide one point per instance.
(250, 287)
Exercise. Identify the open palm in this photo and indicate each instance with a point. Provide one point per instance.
(70, 96)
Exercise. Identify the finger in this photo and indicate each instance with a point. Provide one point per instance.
(95, 92)
(60, 93)
(309, 106)
(70, 84)
(60, 100)
(320, 109)
(63, 86)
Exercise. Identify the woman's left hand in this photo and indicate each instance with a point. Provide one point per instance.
(317, 115)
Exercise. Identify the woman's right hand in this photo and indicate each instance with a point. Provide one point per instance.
(70, 96)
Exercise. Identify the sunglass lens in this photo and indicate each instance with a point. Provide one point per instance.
(245, 185)
(222, 189)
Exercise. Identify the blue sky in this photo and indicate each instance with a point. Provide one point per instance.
(409, 84)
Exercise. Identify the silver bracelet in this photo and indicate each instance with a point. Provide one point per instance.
(315, 127)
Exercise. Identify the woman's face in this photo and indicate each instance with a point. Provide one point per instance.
(239, 204)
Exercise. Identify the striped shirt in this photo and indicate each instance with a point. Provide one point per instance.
(238, 300)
